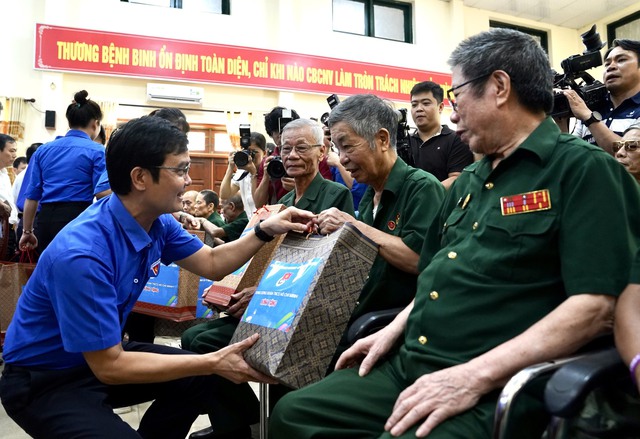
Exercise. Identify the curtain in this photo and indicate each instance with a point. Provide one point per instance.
(15, 112)
(109, 116)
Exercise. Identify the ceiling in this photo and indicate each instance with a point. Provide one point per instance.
(573, 14)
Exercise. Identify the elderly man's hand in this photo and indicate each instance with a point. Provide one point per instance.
(240, 301)
(332, 219)
(436, 396)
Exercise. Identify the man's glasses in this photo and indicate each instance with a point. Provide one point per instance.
(300, 149)
(628, 145)
(451, 95)
(180, 172)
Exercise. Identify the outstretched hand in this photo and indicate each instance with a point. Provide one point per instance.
(290, 220)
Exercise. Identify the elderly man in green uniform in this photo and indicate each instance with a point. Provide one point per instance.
(302, 150)
(522, 265)
(231, 229)
(396, 208)
(206, 206)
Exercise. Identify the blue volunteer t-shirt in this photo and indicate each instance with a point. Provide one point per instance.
(86, 283)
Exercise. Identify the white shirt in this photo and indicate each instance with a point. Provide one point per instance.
(17, 184)
(6, 195)
(245, 190)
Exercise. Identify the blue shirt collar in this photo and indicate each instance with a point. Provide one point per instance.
(134, 232)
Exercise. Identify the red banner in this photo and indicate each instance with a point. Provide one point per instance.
(89, 51)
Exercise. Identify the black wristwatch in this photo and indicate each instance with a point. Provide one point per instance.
(595, 117)
(261, 234)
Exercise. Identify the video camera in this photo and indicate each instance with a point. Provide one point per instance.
(275, 168)
(242, 157)
(403, 146)
(592, 91)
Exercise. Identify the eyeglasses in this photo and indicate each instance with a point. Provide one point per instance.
(180, 172)
(629, 145)
(300, 149)
(451, 96)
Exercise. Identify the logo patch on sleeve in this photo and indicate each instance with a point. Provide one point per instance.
(525, 203)
(155, 267)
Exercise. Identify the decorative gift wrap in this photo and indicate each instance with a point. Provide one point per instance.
(219, 294)
(13, 278)
(303, 303)
(173, 294)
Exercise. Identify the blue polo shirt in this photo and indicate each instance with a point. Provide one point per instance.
(66, 169)
(103, 184)
(86, 283)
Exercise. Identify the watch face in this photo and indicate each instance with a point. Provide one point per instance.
(596, 115)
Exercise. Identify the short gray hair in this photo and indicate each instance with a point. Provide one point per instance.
(316, 129)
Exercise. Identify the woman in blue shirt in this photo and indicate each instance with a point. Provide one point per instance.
(64, 173)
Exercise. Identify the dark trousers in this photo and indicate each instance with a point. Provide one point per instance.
(72, 403)
(53, 217)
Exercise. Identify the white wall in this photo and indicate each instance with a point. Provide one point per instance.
(288, 25)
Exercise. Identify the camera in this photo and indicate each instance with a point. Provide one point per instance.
(242, 157)
(332, 100)
(403, 146)
(592, 91)
(275, 168)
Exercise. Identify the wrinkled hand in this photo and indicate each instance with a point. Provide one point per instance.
(367, 351)
(230, 363)
(332, 219)
(436, 396)
(28, 242)
(290, 219)
(240, 301)
(288, 183)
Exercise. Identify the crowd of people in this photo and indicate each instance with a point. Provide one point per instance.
(505, 244)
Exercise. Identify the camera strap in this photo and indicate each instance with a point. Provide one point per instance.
(244, 174)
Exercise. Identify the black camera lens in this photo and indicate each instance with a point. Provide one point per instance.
(275, 168)
(241, 158)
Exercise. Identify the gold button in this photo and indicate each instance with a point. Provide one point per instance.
(422, 339)
(434, 295)
(489, 185)
(475, 225)
(452, 255)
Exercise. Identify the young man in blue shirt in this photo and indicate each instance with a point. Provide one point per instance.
(66, 367)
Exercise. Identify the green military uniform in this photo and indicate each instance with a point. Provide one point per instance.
(216, 334)
(508, 246)
(321, 195)
(216, 219)
(410, 200)
(234, 229)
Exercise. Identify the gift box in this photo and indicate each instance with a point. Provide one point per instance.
(219, 293)
(13, 278)
(303, 303)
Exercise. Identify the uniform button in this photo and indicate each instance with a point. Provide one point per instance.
(135, 281)
(452, 255)
(475, 225)
(434, 295)
(489, 185)
(422, 339)
(357, 303)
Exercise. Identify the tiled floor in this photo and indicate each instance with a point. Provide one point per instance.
(9, 430)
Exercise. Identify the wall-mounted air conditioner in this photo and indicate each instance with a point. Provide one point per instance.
(180, 94)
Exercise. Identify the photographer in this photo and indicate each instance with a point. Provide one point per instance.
(622, 81)
(244, 179)
(435, 148)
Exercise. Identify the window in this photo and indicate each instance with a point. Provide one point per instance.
(539, 35)
(390, 20)
(627, 27)
(213, 6)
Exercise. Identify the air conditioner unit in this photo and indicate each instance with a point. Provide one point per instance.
(180, 94)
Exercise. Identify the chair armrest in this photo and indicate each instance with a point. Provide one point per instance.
(371, 322)
(566, 390)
